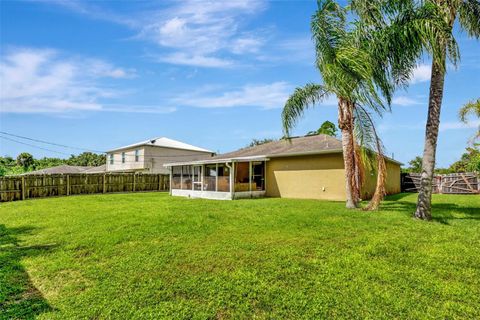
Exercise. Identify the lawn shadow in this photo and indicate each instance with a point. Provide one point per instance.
(441, 212)
(19, 298)
(398, 196)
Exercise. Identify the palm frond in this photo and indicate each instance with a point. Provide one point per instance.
(472, 107)
(368, 138)
(298, 102)
(469, 17)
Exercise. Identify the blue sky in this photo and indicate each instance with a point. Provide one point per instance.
(101, 74)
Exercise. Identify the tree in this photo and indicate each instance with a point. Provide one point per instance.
(257, 142)
(25, 160)
(415, 165)
(87, 159)
(327, 128)
(467, 12)
(352, 73)
(469, 162)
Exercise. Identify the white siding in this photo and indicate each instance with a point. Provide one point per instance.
(151, 159)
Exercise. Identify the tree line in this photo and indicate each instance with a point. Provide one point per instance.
(25, 162)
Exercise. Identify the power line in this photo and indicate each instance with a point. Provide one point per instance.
(51, 143)
(76, 148)
(31, 145)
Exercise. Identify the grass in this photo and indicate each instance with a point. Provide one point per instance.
(152, 256)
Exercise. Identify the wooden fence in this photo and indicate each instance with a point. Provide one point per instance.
(50, 185)
(453, 183)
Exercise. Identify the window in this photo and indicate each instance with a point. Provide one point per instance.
(123, 157)
(137, 155)
(111, 158)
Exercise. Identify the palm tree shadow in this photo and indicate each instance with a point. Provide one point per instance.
(19, 298)
(441, 212)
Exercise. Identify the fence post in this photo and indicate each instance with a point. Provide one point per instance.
(159, 182)
(23, 187)
(104, 182)
(68, 184)
(134, 181)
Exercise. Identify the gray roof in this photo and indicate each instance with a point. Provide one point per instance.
(98, 169)
(64, 169)
(292, 146)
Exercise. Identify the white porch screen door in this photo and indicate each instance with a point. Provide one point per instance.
(197, 178)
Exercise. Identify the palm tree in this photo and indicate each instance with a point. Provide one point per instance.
(467, 12)
(413, 28)
(353, 74)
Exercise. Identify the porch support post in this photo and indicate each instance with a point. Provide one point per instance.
(216, 177)
(232, 179)
(250, 176)
(181, 177)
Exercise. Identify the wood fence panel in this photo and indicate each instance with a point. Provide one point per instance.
(38, 186)
(453, 183)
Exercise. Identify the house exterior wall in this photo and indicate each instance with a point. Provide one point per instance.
(319, 177)
(306, 177)
(392, 184)
(130, 163)
(151, 159)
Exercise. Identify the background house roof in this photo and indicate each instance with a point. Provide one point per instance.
(165, 143)
(63, 169)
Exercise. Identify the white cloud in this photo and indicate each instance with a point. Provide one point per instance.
(198, 32)
(457, 125)
(266, 96)
(42, 81)
(181, 58)
(421, 73)
(405, 101)
(246, 45)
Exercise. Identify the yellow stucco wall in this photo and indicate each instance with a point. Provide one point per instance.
(392, 184)
(306, 177)
(318, 177)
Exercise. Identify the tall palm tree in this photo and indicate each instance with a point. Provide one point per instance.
(408, 36)
(352, 73)
(467, 13)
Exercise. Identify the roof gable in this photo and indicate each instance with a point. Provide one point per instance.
(164, 143)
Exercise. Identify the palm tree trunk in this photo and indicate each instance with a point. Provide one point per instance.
(424, 203)
(379, 193)
(345, 123)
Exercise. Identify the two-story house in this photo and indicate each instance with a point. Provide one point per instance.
(150, 155)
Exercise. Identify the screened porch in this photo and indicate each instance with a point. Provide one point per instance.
(220, 180)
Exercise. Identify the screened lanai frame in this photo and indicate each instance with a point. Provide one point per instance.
(212, 179)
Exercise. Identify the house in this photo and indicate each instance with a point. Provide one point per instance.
(149, 156)
(308, 167)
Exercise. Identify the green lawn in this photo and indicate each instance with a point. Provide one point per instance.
(153, 256)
